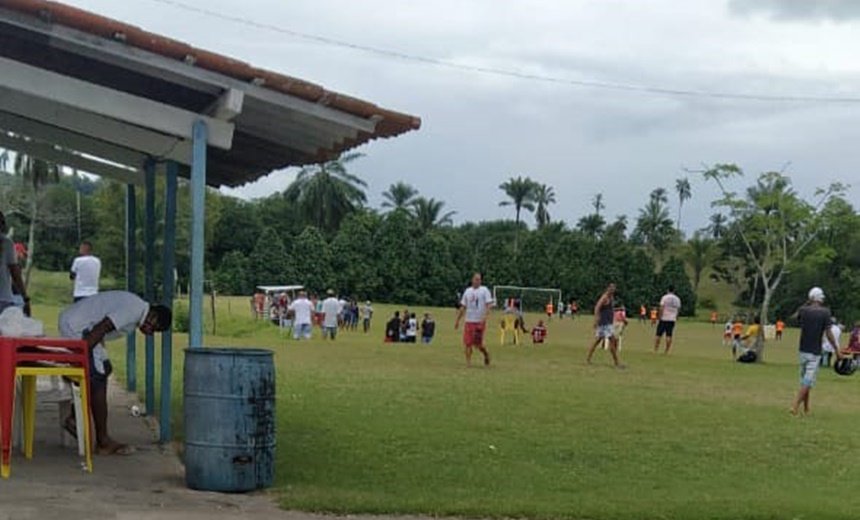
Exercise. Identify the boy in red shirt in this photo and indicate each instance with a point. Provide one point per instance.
(538, 333)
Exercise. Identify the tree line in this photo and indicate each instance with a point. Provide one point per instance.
(765, 241)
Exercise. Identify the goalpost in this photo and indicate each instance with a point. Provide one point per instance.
(532, 298)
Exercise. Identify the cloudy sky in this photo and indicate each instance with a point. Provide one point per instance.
(479, 129)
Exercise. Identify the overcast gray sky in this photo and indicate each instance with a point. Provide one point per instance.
(480, 129)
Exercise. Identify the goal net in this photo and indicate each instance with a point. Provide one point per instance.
(533, 299)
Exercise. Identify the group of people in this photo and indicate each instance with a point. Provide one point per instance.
(330, 314)
(94, 316)
(404, 328)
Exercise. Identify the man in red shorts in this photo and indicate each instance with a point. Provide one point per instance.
(475, 305)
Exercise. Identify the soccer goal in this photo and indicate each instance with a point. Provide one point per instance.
(533, 299)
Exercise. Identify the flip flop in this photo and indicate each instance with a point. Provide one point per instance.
(118, 449)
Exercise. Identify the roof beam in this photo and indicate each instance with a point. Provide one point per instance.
(106, 102)
(126, 56)
(151, 143)
(228, 105)
(50, 153)
(71, 140)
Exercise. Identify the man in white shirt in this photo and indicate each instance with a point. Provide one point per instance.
(104, 317)
(11, 281)
(367, 315)
(331, 309)
(302, 310)
(475, 304)
(670, 306)
(86, 270)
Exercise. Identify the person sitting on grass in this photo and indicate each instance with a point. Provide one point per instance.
(853, 348)
(538, 333)
(104, 317)
(752, 339)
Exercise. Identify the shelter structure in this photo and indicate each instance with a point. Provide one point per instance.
(105, 97)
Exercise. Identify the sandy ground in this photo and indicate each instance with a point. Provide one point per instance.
(146, 485)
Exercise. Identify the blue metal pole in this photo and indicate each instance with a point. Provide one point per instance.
(198, 217)
(149, 278)
(131, 282)
(168, 258)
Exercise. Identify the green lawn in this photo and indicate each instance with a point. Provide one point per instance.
(365, 427)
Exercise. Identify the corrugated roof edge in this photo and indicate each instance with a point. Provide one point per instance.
(391, 123)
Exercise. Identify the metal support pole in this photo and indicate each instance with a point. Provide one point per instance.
(131, 282)
(149, 277)
(168, 258)
(198, 219)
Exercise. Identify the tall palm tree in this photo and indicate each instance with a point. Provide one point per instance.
(428, 213)
(521, 192)
(592, 225)
(35, 174)
(399, 196)
(326, 193)
(718, 226)
(544, 195)
(654, 226)
(597, 203)
(521, 195)
(685, 192)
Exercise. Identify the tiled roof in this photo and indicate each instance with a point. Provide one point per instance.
(390, 124)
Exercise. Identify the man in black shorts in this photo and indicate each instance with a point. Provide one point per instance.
(670, 306)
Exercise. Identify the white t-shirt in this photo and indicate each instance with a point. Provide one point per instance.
(8, 257)
(412, 327)
(671, 305)
(301, 308)
(87, 271)
(476, 301)
(367, 312)
(330, 309)
(125, 310)
(825, 344)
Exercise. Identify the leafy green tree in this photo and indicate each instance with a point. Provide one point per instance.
(685, 192)
(398, 258)
(399, 196)
(699, 254)
(354, 256)
(326, 193)
(428, 213)
(237, 229)
(544, 195)
(313, 260)
(775, 225)
(269, 263)
(592, 225)
(232, 276)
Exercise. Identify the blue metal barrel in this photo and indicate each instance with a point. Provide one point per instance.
(229, 419)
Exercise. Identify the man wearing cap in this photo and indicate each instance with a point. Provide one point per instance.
(331, 308)
(814, 324)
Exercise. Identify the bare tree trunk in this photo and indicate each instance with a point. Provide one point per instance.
(765, 308)
(31, 241)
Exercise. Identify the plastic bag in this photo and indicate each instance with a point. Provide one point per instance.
(14, 323)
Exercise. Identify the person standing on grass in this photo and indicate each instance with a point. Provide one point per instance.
(302, 310)
(604, 315)
(103, 317)
(331, 311)
(475, 305)
(643, 314)
(827, 350)
(11, 281)
(670, 306)
(814, 324)
(85, 272)
(428, 329)
(366, 315)
(780, 328)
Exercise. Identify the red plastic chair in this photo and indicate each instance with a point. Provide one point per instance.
(15, 352)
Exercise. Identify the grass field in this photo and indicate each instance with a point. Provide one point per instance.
(375, 428)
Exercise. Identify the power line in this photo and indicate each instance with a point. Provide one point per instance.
(390, 53)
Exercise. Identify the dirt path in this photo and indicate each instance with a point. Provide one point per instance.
(146, 485)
